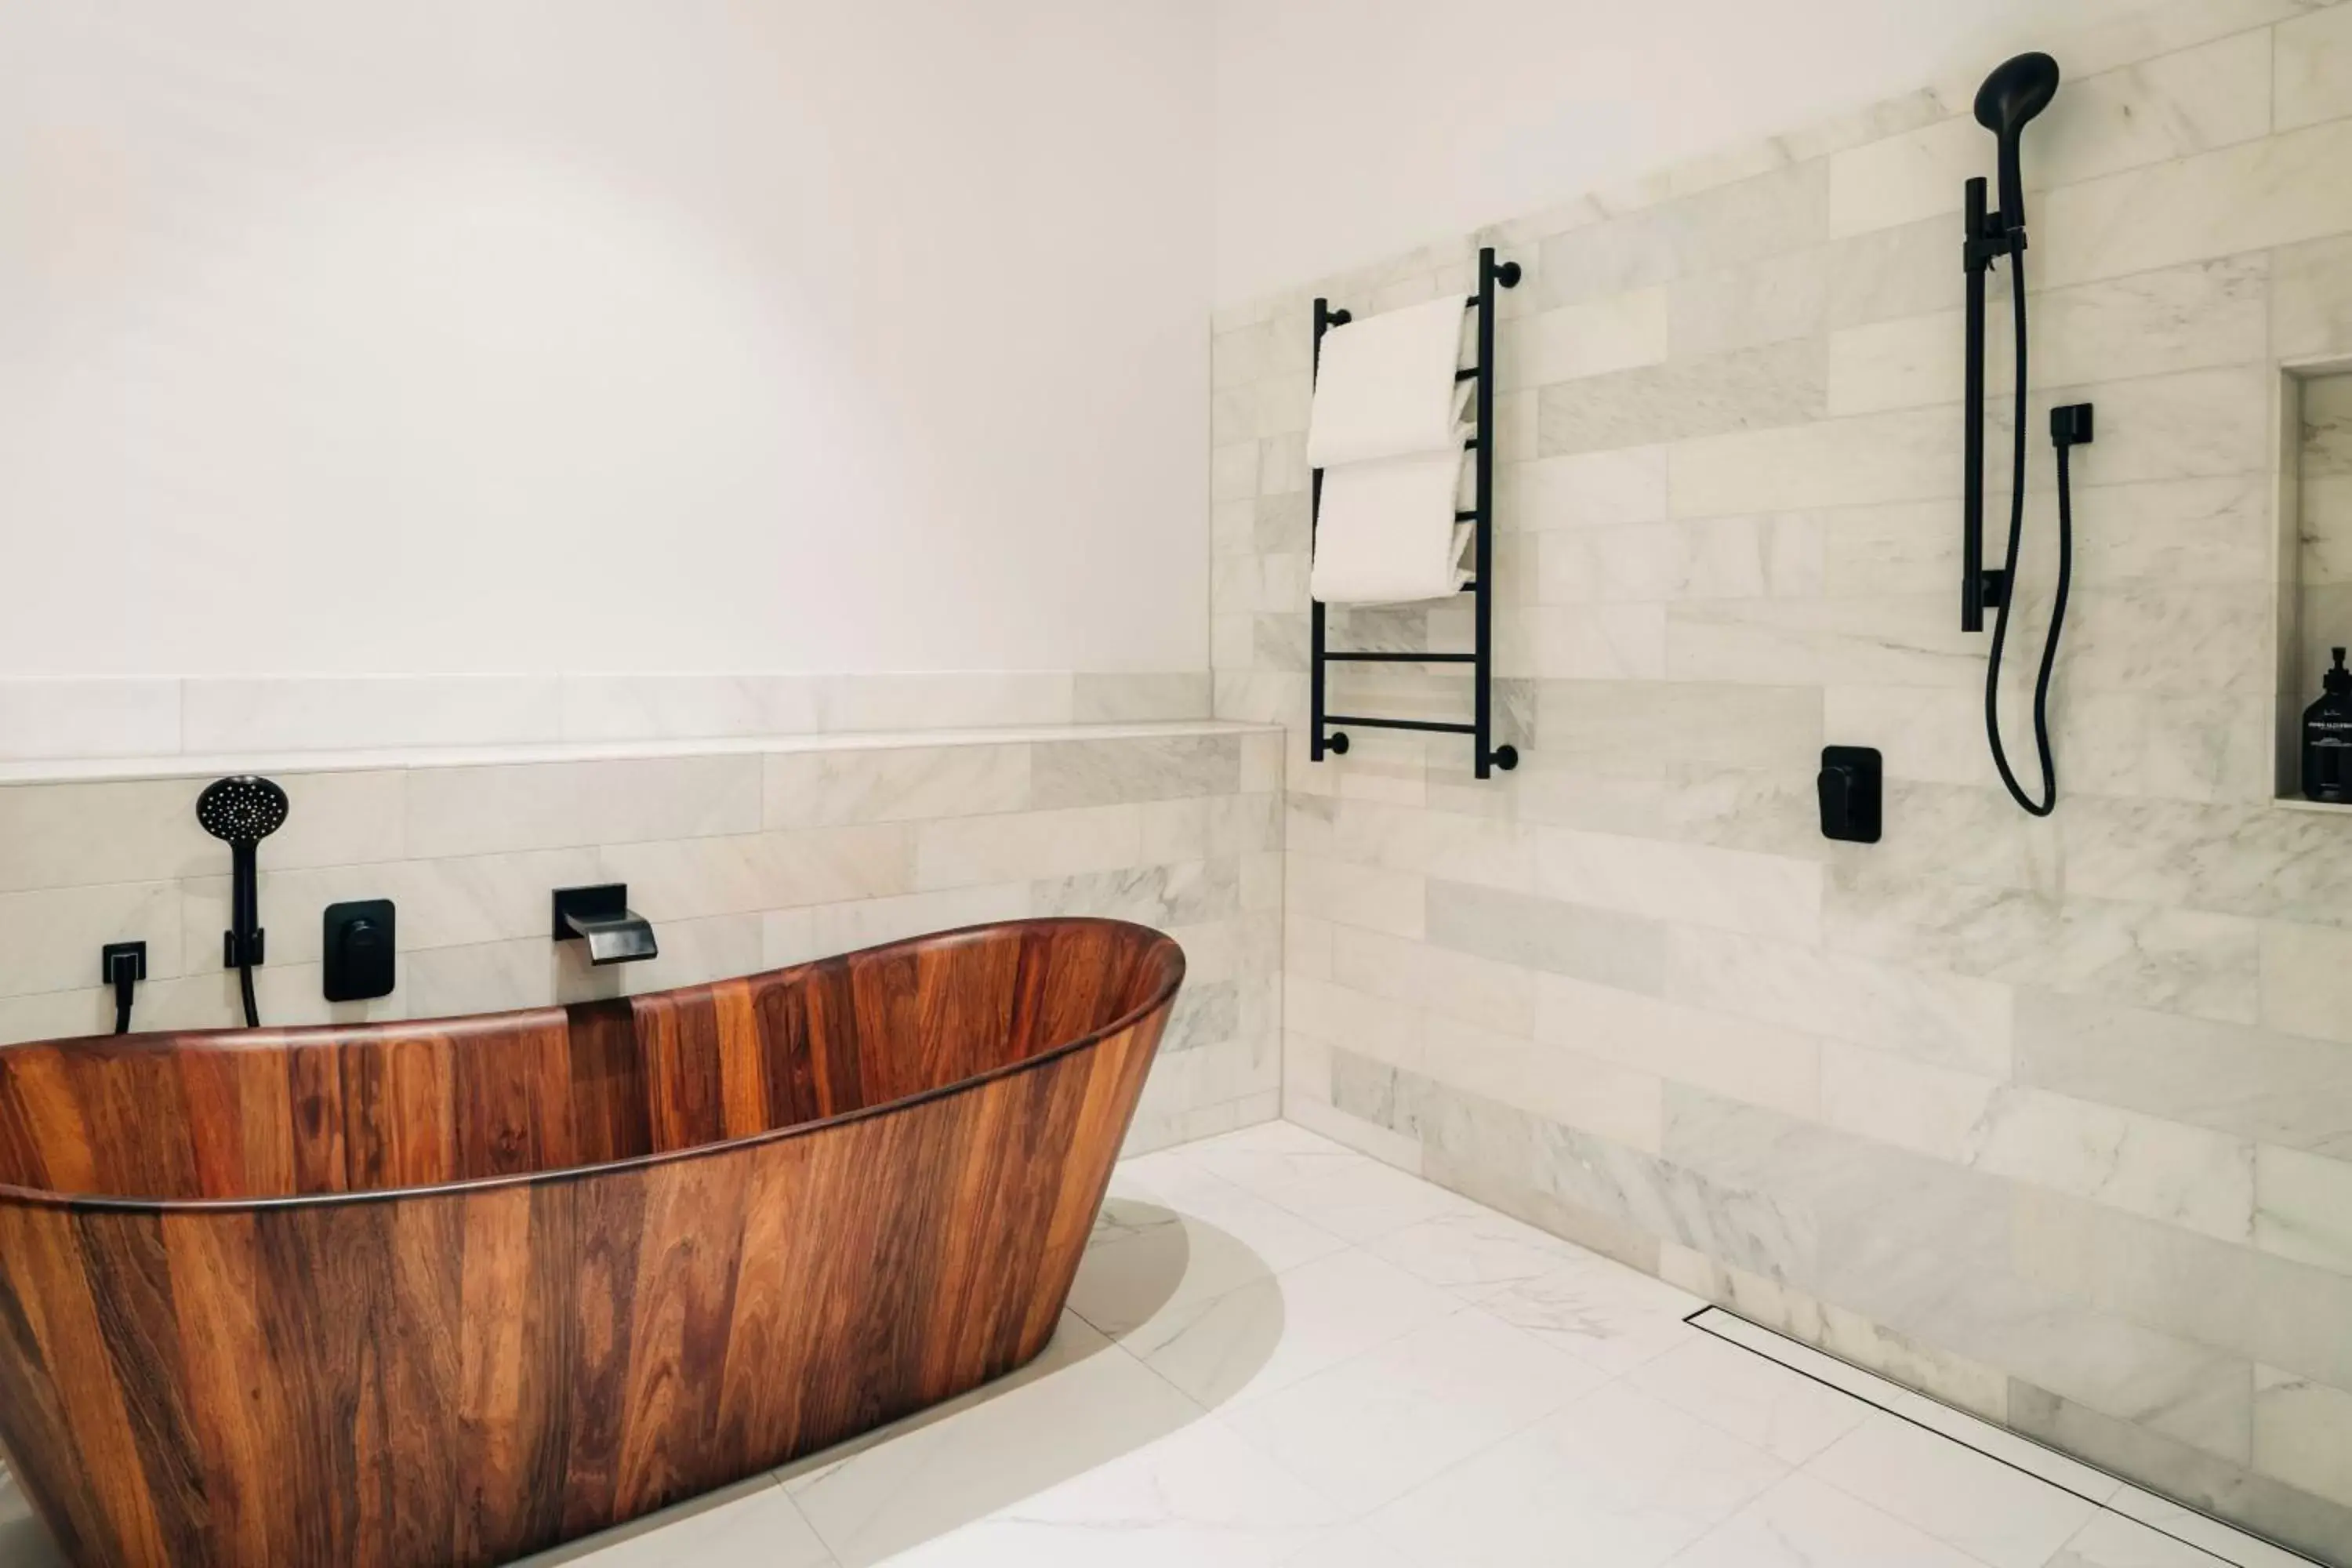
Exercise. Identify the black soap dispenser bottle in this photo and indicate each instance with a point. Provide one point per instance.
(2327, 738)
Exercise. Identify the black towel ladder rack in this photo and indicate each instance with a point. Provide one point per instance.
(1327, 731)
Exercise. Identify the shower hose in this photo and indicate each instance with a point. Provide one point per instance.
(2049, 800)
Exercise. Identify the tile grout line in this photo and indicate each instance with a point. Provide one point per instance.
(1695, 1322)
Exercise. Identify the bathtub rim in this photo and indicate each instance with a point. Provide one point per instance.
(107, 1203)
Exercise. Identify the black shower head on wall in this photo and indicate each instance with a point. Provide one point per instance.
(2017, 90)
(241, 810)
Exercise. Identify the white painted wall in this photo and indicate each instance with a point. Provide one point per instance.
(541, 335)
(1348, 130)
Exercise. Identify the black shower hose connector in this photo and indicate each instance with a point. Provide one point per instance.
(124, 965)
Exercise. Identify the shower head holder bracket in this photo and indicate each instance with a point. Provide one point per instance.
(1986, 238)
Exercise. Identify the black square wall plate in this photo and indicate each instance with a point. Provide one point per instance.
(1850, 790)
(359, 945)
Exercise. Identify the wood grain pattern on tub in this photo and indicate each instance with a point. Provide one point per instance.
(392, 1295)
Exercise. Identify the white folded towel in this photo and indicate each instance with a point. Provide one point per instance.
(1385, 386)
(1386, 534)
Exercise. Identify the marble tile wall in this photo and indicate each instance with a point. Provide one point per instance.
(2051, 1118)
(49, 719)
(742, 858)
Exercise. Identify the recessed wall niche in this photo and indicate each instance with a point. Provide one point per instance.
(2315, 550)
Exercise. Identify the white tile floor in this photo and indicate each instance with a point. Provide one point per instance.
(1279, 1351)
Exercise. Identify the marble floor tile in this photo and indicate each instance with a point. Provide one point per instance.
(1094, 1405)
(1866, 1386)
(1788, 1416)
(1997, 1514)
(2112, 1541)
(1997, 1443)
(1264, 1138)
(2232, 1546)
(754, 1525)
(2164, 1517)
(1198, 1496)
(1807, 1523)
(1148, 1263)
(1473, 1255)
(1616, 1480)
(1262, 1338)
(1167, 1173)
(1600, 1312)
(1365, 1432)
(1350, 1195)
(1356, 1545)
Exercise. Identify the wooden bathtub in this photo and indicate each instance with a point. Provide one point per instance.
(392, 1295)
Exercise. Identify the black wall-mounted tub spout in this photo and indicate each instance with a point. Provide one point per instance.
(243, 811)
(2010, 99)
(601, 917)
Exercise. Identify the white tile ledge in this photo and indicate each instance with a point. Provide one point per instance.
(2321, 807)
(98, 770)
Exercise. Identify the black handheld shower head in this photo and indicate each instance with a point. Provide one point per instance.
(242, 812)
(2017, 90)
